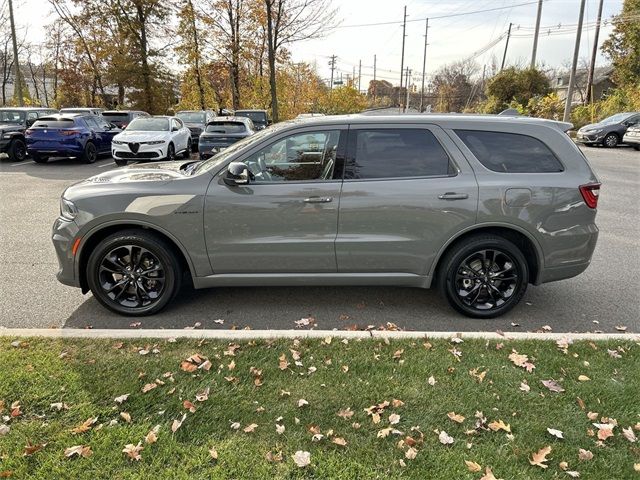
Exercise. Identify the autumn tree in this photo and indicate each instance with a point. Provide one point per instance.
(453, 86)
(290, 21)
(623, 45)
(190, 48)
(515, 85)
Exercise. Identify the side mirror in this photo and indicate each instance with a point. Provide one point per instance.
(175, 129)
(237, 174)
(30, 122)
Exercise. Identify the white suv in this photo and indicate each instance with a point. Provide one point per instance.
(152, 138)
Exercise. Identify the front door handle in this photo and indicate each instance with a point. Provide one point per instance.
(453, 196)
(318, 200)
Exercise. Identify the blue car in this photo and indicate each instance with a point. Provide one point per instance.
(70, 135)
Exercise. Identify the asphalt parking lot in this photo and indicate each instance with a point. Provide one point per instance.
(605, 296)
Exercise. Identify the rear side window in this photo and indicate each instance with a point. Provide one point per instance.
(510, 152)
(397, 152)
(53, 123)
(226, 127)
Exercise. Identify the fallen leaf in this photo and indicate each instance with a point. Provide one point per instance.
(280, 429)
(283, 363)
(384, 432)
(614, 353)
(499, 425)
(539, 458)
(148, 387)
(302, 459)
(121, 398)
(411, 453)
(592, 415)
(555, 433)
(553, 386)
(583, 378)
(302, 403)
(584, 454)
(636, 467)
(219, 321)
(187, 405)
(629, 435)
(445, 438)
(178, 423)
(4, 429)
(30, 448)
(133, 451)
(85, 426)
(472, 466)
(203, 395)
(339, 441)
(78, 450)
(573, 473)
(524, 386)
(621, 328)
(345, 413)
(126, 417)
(456, 417)
(488, 475)
(520, 360)
(605, 430)
(431, 381)
(273, 457)
(152, 436)
(250, 428)
(394, 419)
(59, 406)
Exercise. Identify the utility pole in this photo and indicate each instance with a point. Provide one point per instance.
(353, 78)
(332, 64)
(359, 73)
(404, 29)
(594, 52)
(18, 80)
(374, 79)
(406, 105)
(535, 36)
(506, 46)
(572, 76)
(424, 65)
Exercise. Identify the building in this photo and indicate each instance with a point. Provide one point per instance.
(602, 82)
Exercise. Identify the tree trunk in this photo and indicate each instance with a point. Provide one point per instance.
(144, 58)
(272, 61)
(196, 45)
(234, 68)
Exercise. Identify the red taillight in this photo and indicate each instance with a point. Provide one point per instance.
(68, 133)
(590, 193)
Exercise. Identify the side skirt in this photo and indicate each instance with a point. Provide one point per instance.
(312, 279)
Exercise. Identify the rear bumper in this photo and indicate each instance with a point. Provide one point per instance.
(54, 148)
(554, 274)
(63, 235)
(572, 257)
(631, 140)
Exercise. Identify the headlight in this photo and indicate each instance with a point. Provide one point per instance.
(591, 132)
(68, 210)
(156, 142)
(117, 142)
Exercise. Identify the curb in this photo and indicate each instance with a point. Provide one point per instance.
(274, 334)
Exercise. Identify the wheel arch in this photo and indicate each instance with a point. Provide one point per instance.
(520, 237)
(99, 233)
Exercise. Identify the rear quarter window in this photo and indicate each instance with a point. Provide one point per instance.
(510, 152)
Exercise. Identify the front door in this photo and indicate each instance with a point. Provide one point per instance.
(407, 190)
(285, 220)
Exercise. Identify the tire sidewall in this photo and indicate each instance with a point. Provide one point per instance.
(155, 246)
(86, 157)
(170, 149)
(610, 135)
(452, 264)
(15, 143)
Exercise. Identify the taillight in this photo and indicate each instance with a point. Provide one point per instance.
(590, 193)
(124, 125)
(68, 133)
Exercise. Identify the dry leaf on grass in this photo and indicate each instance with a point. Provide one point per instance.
(584, 454)
(250, 428)
(30, 448)
(520, 360)
(339, 441)
(213, 453)
(445, 438)
(488, 475)
(302, 403)
(456, 417)
(126, 417)
(133, 451)
(302, 459)
(152, 436)
(555, 433)
(499, 425)
(85, 426)
(148, 387)
(553, 386)
(345, 413)
(431, 381)
(78, 450)
(605, 430)
(629, 435)
(394, 419)
(472, 466)
(280, 429)
(121, 398)
(539, 458)
(178, 423)
(411, 453)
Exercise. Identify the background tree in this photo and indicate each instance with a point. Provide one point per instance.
(515, 85)
(623, 45)
(189, 50)
(453, 86)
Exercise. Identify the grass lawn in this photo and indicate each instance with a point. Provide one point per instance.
(252, 400)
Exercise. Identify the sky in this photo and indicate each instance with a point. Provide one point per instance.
(450, 39)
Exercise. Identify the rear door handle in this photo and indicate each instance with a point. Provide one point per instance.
(318, 200)
(453, 196)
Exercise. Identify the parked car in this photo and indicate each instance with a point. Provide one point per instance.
(195, 120)
(70, 135)
(122, 118)
(152, 138)
(478, 206)
(632, 137)
(223, 132)
(608, 132)
(13, 123)
(310, 115)
(83, 110)
(260, 118)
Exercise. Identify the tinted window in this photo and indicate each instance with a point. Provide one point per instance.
(116, 116)
(510, 152)
(191, 117)
(142, 124)
(257, 117)
(11, 116)
(91, 122)
(300, 157)
(226, 127)
(397, 152)
(51, 122)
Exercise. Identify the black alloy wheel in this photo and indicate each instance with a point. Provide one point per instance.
(90, 154)
(134, 273)
(18, 150)
(484, 277)
(611, 140)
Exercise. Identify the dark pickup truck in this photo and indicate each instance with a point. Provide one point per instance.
(13, 123)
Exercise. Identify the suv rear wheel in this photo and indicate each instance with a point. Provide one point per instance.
(484, 276)
(134, 273)
(90, 153)
(17, 150)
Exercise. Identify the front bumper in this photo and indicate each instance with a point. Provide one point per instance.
(144, 152)
(582, 137)
(630, 139)
(63, 235)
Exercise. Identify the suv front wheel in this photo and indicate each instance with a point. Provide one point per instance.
(484, 276)
(133, 273)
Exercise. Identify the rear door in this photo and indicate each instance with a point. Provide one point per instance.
(407, 190)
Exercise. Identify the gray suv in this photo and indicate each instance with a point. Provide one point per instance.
(478, 206)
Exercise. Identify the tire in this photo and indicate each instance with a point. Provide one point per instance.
(90, 153)
(636, 148)
(187, 153)
(610, 140)
(39, 158)
(120, 162)
(115, 279)
(171, 152)
(473, 289)
(17, 150)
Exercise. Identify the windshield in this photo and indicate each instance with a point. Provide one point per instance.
(191, 117)
(149, 125)
(11, 116)
(246, 142)
(257, 117)
(226, 127)
(617, 118)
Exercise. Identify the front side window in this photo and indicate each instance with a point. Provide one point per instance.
(11, 116)
(300, 157)
(510, 152)
(396, 153)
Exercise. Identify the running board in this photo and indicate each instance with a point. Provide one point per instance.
(311, 279)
